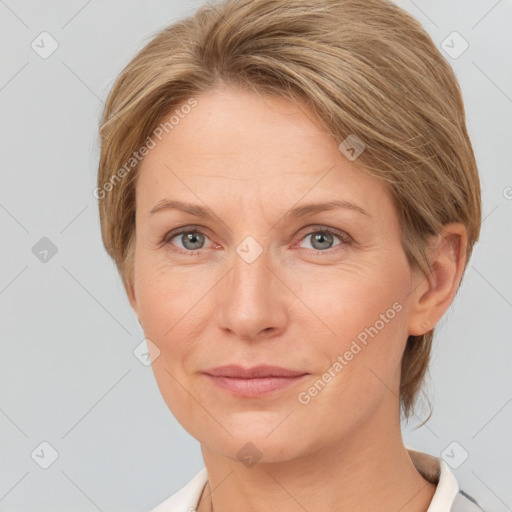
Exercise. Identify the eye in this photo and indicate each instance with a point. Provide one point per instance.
(187, 240)
(190, 240)
(322, 239)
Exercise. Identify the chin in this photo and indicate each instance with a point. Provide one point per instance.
(256, 439)
(249, 450)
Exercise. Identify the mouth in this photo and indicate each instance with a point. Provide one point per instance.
(253, 382)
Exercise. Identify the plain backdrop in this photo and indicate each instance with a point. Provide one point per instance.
(68, 376)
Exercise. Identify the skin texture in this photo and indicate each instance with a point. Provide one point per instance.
(299, 304)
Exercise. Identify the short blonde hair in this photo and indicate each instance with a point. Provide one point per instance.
(365, 67)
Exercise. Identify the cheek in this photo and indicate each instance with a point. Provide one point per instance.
(365, 310)
(170, 301)
(163, 292)
(352, 297)
(360, 362)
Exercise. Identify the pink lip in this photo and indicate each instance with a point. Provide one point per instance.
(263, 370)
(253, 382)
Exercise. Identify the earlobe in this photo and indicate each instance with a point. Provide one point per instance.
(433, 293)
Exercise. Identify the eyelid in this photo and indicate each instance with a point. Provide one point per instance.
(184, 229)
(316, 228)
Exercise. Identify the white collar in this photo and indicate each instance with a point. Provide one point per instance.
(447, 497)
(436, 471)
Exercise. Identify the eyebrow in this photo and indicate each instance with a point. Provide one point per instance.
(300, 211)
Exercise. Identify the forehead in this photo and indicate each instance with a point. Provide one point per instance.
(232, 125)
(236, 144)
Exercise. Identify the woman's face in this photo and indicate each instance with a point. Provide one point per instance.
(260, 280)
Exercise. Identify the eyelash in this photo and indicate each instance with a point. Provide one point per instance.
(344, 238)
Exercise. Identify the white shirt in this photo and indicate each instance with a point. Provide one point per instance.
(447, 497)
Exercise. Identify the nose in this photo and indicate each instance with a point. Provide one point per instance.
(253, 299)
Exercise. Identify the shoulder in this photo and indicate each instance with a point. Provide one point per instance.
(186, 499)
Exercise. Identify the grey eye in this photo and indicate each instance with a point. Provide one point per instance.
(321, 240)
(191, 240)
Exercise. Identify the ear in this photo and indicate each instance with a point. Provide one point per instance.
(433, 293)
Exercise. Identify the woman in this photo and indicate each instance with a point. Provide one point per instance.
(288, 190)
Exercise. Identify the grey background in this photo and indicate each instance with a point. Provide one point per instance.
(68, 375)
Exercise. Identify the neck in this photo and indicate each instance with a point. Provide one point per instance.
(371, 470)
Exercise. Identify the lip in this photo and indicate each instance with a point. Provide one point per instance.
(253, 382)
(259, 371)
